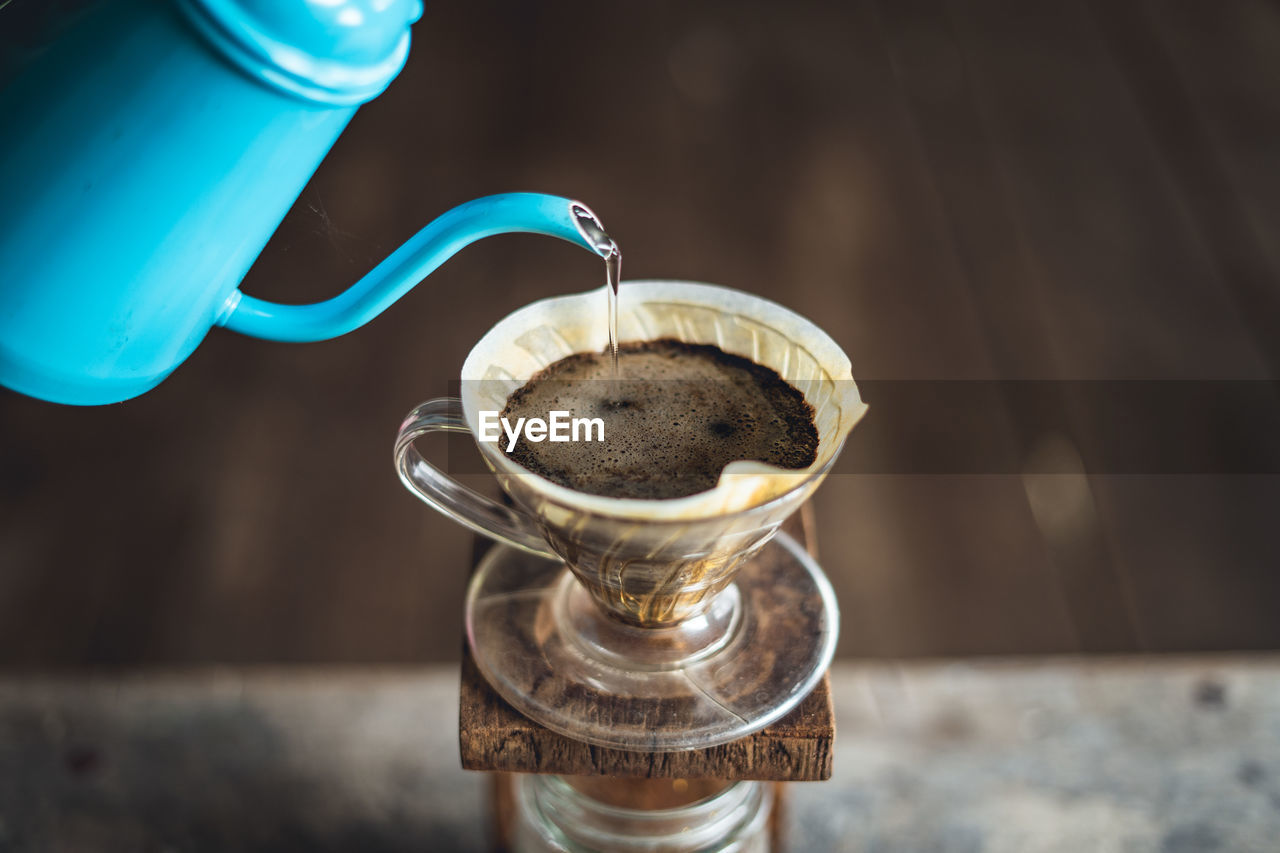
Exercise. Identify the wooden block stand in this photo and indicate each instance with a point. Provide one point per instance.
(495, 737)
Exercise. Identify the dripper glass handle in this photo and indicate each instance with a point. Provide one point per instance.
(445, 494)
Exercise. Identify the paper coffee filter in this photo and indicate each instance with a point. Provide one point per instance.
(542, 333)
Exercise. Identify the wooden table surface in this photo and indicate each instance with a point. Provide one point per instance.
(1135, 754)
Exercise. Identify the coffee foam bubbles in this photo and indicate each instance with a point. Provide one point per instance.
(675, 417)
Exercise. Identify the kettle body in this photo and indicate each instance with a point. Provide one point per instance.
(144, 169)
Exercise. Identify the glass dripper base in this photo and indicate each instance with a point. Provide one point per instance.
(758, 651)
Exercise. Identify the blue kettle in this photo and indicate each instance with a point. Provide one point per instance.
(148, 155)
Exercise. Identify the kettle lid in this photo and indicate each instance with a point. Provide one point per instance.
(332, 51)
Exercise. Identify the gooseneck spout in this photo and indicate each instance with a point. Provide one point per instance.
(401, 270)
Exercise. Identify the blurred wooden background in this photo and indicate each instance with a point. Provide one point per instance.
(976, 189)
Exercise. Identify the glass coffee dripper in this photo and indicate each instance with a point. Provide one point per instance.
(652, 625)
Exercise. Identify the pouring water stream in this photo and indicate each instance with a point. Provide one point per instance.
(590, 226)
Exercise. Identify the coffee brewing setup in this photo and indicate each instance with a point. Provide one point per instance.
(162, 143)
(637, 625)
